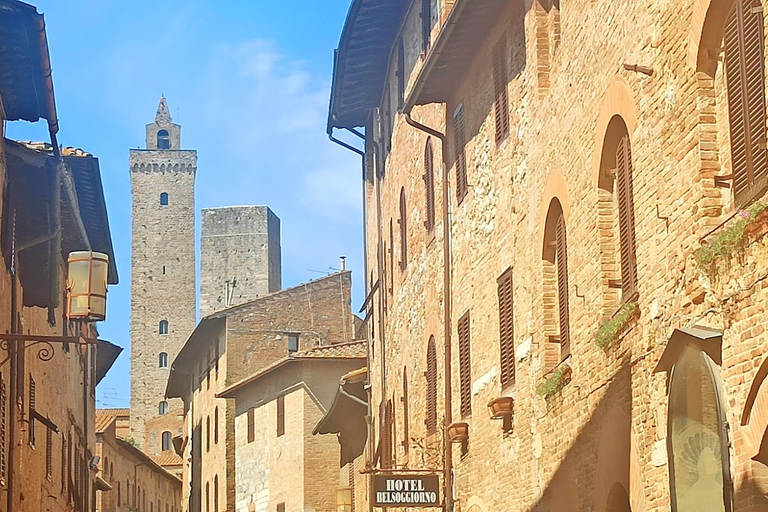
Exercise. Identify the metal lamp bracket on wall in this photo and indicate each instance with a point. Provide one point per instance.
(45, 344)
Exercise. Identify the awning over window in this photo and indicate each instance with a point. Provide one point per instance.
(346, 416)
(709, 340)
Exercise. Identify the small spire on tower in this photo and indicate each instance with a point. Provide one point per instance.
(163, 115)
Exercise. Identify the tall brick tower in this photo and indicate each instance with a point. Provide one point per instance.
(162, 266)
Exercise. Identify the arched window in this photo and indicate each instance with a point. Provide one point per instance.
(216, 425)
(163, 327)
(459, 154)
(696, 439)
(429, 185)
(403, 231)
(164, 199)
(167, 439)
(163, 140)
(207, 496)
(216, 493)
(208, 433)
(616, 180)
(745, 83)
(431, 421)
(556, 262)
(406, 429)
(163, 407)
(163, 360)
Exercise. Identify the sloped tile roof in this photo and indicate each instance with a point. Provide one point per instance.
(167, 458)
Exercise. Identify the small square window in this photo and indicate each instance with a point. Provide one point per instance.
(293, 343)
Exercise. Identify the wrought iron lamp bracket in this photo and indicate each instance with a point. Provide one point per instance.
(44, 344)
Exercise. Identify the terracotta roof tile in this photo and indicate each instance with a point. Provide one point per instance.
(167, 458)
(354, 349)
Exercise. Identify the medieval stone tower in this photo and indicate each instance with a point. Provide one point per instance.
(162, 266)
(239, 256)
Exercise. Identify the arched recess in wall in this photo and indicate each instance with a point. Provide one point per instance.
(708, 19)
(618, 100)
(555, 188)
(475, 504)
(754, 418)
(163, 139)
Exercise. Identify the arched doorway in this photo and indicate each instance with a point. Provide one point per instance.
(618, 499)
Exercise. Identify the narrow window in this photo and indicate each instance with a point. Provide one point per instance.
(400, 74)
(429, 185)
(163, 327)
(3, 423)
(163, 140)
(556, 270)
(293, 343)
(501, 100)
(506, 329)
(426, 25)
(164, 199)
(406, 427)
(625, 192)
(386, 436)
(391, 257)
(251, 430)
(162, 408)
(48, 453)
(561, 261)
(431, 420)
(166, 441)
(281, 507)
(32, 401)
(208, 433)
(459, 153)
(465, 366)
(216, 493)
(207, 496)
(745, 83)
(119, 495)
(403, 232)
(216, 425)
(163, 269)
(280, 415)
(163, 360)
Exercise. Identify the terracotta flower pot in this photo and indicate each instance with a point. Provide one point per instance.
(501, 407)
(458, 432)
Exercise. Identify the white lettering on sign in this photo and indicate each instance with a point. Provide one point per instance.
(406, 497)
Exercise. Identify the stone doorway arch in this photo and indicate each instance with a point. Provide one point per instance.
(618, 499)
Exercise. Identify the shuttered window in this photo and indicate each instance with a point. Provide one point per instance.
(429, 185)
(431, 375)
(207, 433)
(561, 261)
(501, 100)
(459, 153)
(48, 453)
(251, 426)
(32, 403)
(280, 415)
(406, 427)
(465, 366)
(3, 426)
(426, 25)
(215, 494)
(625, 193)
(281, 507)
(745, 83)
(391, 257)
(216, 425)
(506, 329)
(403, 231)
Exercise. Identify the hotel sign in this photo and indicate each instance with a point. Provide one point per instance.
(415, 490)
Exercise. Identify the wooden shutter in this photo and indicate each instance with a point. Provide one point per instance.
(625, 193)
(400, 74)
(561, 256)
(429, 185)
(406, 427)
(48, 453)
(431, 386)
(465, 366)
(280, 415)
(403, 231)
(745, 83)
(251, 426)
(3, 424)
(506, 329)
(281, 507)
(215, 494)
(32, 405)
(501, 100)
(351, 468)
(460, 157)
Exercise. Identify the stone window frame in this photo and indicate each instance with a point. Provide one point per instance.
(162, 408)
(162, 360)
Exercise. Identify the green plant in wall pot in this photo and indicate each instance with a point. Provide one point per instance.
(731, 241)
(610, 331)
(556, 381)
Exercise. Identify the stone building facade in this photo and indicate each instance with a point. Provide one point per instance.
(278, 460)
(239, 256)
(162, 265)
(565, 222)
(51, 204)
(232, 345)
(134, 481)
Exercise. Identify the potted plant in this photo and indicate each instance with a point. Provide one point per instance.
(458, 432)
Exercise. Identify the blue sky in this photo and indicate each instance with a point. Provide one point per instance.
(249, 82)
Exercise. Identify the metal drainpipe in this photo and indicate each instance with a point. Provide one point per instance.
(448, 455)
(368, 422)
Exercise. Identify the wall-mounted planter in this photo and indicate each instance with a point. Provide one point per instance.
(458, 432)
(501, 407)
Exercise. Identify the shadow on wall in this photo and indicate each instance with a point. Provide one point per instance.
(752, 493)
(594, 475)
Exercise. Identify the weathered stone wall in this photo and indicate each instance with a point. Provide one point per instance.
(162, 268)
(608, 426)
(239, 256)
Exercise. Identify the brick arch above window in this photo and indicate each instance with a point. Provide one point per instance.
(555, 189)
(705, 36)
(618, 100)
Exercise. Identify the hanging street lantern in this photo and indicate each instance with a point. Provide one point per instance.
(87, 286)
